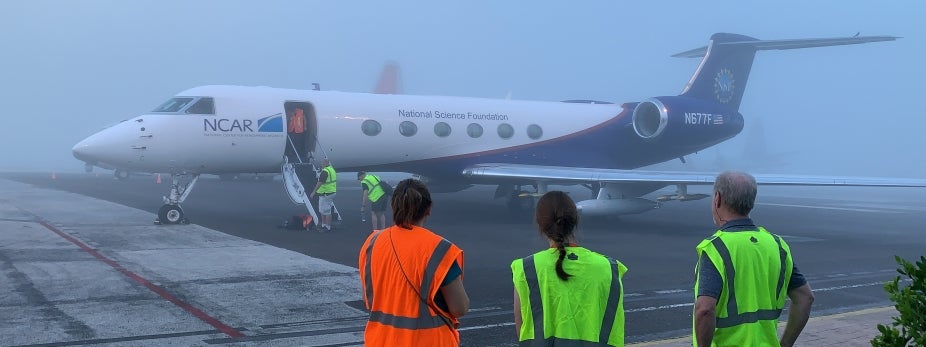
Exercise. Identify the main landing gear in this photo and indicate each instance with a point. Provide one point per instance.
(521, 202)
(171, 212)
(121, 174)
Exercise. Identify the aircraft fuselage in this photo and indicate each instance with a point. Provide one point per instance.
(429, 135)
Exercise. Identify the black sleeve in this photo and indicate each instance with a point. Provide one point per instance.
(709, 281)
(797, 279)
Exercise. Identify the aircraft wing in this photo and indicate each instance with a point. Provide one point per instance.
(577, 175)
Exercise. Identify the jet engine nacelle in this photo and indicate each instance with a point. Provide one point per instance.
(685, 118)
(605, 207)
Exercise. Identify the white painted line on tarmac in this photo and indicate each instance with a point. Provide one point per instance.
(490, 308)
(663, 307)
(829, 208)
(671, 306)
(849, 286)
(487, 326)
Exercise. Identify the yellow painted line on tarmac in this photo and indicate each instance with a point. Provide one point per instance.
(687, 339)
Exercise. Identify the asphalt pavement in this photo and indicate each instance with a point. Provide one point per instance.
(843, 239)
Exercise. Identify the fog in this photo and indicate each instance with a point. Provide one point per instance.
(70, 68)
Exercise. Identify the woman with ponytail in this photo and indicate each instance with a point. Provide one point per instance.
(412, 278)
(567, 294)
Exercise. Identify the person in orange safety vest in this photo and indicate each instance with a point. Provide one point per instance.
(296, 130)
(412, 278)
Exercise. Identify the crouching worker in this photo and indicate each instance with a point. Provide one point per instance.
(412, 278)
(373, 192)
(566, 294)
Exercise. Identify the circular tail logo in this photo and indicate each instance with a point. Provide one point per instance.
(724, 86)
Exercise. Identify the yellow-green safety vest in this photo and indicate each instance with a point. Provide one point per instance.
(331, 182)
(375, 190)
(755, 268)
(586, 310)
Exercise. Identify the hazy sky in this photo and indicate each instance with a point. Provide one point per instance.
(69, 68)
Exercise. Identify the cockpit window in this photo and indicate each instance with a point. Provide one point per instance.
(173, 105)
(202, 106)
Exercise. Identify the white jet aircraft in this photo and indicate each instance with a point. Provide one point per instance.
(454, 142)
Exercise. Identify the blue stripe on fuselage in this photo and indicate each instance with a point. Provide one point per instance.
(612, 144)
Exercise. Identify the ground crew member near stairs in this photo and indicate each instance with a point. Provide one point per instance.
(743, 275)
(566, 294)
(326, 188)
(373, 191)
(412, 278)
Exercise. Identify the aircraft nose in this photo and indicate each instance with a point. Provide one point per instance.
(103, 146)
(86, 150)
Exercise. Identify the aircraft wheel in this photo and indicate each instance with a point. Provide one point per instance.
(121, 174)
(170, 214)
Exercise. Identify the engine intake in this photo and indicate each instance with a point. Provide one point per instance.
(650, 118)
(683, 119)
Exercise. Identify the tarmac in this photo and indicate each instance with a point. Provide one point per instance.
(848, 329)
(73, 272)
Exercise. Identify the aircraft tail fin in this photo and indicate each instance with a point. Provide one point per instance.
(389, 82)
(723, 71)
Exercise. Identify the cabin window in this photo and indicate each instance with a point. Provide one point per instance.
(505, 131)
(534, 131)
(173, 105)
(371, 127)
(202, 106)
(442, 129)
(408, 129)
(474, 130)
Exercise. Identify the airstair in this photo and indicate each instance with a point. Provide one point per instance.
(295, 176)
(294, 188)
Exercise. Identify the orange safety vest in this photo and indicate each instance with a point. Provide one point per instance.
(297, 122)
(402, 309)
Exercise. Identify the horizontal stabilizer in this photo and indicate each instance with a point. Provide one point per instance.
(760, 45)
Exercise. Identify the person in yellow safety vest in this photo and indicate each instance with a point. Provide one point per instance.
(326, 188)
(373, 191)
(567, 294)
(411, 278)
(743, 275)
(296, 129)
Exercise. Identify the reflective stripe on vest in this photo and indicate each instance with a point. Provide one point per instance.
(369, 280)
(610, 314)
(424, 320)
(733, 317)
(330, 185)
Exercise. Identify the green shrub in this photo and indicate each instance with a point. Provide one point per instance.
(910, 301)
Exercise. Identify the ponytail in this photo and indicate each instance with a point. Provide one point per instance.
(557, 218)
(411, 201)
(560, 272)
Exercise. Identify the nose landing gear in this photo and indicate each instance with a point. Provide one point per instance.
(171, 212)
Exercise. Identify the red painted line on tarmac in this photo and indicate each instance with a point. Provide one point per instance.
(227, 330)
